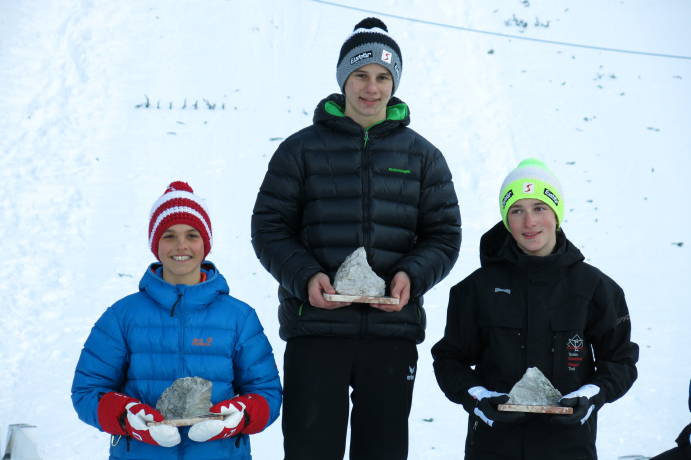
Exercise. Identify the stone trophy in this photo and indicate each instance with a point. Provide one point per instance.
(356, 282)
(186, 402)
(534, 393)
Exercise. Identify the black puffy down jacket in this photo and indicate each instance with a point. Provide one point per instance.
(334, 187)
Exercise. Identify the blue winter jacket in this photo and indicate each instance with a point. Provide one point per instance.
(147, 340)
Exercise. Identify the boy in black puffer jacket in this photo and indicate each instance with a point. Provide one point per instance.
(358, 177)
(534, 303)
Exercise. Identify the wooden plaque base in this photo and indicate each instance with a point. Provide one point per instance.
(360, 299)
(535, 409)
(188, 421)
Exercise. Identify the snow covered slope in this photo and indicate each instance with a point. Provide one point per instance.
(82, 159)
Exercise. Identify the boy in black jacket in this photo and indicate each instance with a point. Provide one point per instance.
(358, 177)
(534, 303)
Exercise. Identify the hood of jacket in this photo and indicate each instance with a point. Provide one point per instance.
(196, 296)
(497, 246)
(327, 112)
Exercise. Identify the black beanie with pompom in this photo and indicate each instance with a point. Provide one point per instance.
(370, 43)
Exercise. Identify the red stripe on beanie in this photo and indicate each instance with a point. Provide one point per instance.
(179, 202)
(179, 205)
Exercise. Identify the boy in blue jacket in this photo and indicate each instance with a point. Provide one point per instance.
(181, 323)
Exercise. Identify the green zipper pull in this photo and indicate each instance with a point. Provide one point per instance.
(366, 137)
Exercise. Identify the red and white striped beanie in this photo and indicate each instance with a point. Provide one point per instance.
(179, 205)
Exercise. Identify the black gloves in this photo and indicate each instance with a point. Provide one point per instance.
(483, 403)
(584, 401)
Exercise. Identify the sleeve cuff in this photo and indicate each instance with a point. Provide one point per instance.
(257, 410)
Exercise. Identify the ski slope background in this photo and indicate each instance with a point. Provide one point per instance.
(82, 159)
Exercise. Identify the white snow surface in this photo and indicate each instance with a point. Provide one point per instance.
(81, 165)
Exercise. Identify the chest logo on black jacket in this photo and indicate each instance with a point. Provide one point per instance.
(574, 348)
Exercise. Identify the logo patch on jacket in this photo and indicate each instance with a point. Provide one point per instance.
(201, 343)
(412, 373)
(574, 347)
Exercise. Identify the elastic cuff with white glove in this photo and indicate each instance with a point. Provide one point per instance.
(160, 435)
(231, 425)
(122, 415)
(246, 414)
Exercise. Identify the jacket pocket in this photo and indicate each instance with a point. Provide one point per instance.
(490, 317)
(473, 422)
(504, 354)
(572, 354)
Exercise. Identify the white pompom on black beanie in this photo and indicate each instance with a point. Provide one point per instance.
(370, 43)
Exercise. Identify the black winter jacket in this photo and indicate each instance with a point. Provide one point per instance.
(334, 187)
(684, 443)
(683, 451)
(556, 313)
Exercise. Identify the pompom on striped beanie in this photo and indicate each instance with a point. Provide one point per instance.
(532, 179)
(370, 43)
(179, 205)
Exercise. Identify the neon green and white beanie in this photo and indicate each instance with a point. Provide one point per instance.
(532, 179)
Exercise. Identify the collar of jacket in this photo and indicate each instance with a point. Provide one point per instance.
(346, 125)
(498, 246)
(196, 296)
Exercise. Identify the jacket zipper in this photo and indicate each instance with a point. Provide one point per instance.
(172, 310)
(365, 194)
(364, 309)
(181, 334)
(472, 433)
(364, 319)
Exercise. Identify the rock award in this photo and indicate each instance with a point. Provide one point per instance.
(534, 393)
(356, 282)
(186, 402)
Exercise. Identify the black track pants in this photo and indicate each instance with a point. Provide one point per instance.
(318, 372)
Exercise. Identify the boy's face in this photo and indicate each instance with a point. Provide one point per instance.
(367, 91)
(181, 251)
(533, 225)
